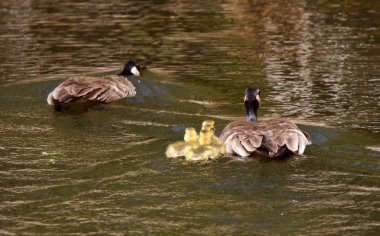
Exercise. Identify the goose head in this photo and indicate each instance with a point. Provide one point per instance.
(252, 103)
(190, 135)
(131, 68)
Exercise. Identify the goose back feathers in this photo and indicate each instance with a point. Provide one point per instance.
(275, 138)
(105, 89)
(95, 89)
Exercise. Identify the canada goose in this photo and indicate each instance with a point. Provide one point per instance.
(275, 138)
(178, 149)
(95, 89)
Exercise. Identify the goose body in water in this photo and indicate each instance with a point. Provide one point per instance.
(95, 89)
(275, 138)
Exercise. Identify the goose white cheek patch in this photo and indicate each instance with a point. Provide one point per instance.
(135, 71)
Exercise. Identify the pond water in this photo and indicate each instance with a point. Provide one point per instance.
(104, 171)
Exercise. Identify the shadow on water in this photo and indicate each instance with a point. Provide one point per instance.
(104, 171)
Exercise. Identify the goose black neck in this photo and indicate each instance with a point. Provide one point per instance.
(251, 108)
(125, 72)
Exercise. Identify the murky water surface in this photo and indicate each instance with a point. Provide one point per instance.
(104, 171)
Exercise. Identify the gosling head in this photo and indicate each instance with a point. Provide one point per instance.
(252, 103)
(208, 125)
(205, 137)
(131, 68)
(190, 135)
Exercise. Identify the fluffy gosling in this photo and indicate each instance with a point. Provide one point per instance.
(179, 148)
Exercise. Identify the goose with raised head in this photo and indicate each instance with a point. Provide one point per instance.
(274, 138)
(95, 89)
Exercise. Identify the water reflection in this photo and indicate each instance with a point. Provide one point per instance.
(312, 59)
(105, 170)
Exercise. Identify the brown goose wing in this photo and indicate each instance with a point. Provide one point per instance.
(273, 138)
(290, 135)
(109, 89)
(286, 137)
(240, 139)
(105, 89)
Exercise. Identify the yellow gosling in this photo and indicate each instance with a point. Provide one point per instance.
(179, 148)
(204, 147)
(219, 145)
(190, 135)
(201, 153)
(205, 137)
(208, 125)
(204, 150)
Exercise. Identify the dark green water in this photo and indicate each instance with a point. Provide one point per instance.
(104, 172)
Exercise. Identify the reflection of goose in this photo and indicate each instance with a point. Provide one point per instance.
(95, 89)
(178, 149)
(275, 138)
